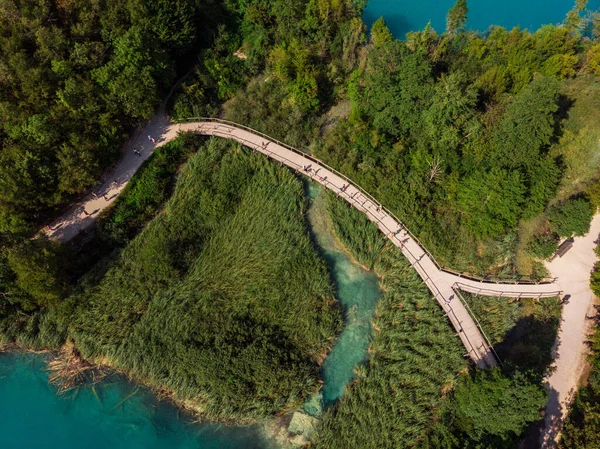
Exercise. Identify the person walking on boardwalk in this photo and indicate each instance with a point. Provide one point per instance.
(343, 188)
(137, 153)
(94, 195)
(395, 233)
(151, 139)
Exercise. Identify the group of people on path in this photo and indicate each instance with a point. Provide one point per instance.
(115, 183)
(137, 152)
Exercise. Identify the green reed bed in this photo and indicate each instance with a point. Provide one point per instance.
(221, 298)
(418, 389)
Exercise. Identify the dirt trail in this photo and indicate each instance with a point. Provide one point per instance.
(75, 220)
(573, 273)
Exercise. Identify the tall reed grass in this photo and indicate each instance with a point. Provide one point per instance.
(222, 298)
(415, 355)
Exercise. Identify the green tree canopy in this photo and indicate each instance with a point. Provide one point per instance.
(40, 269)
(571, 218)
(396, 87)
(527, 125)
(491, 202)
(456, 19)
(496, 406)
(380, 33)
(74, 76)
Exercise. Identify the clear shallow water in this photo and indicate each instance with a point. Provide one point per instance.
(403, 16)
(118, 415)
(358, 292)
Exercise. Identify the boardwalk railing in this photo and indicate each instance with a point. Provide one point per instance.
(369, 196)
(489, 343)
(494, 292)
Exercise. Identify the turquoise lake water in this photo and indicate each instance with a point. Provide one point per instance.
(403, 16)
(116, 415)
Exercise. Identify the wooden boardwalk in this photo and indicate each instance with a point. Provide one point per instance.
(443, 284)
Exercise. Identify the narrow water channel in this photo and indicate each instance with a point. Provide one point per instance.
(357, 290)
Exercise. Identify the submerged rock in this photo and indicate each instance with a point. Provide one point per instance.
(302, 428)
(314, 406)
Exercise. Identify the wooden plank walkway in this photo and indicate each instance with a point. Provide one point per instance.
(441, 283)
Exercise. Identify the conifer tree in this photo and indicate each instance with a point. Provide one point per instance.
(456, 19)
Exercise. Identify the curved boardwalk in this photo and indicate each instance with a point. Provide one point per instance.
(441, 283)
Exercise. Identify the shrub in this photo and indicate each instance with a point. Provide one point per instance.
(571, 218)
(595, 280)
(592, 192)
(40, 269)
(593, 59)
(543, 246)
(490, 406)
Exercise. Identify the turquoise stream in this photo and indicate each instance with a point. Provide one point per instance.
(357, 291)
(403, 16)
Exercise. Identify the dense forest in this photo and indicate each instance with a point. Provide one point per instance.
(75, 77)
(474, 128)
(485, 144)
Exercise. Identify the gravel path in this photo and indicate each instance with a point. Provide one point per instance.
(75, 219)
(573, 273)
